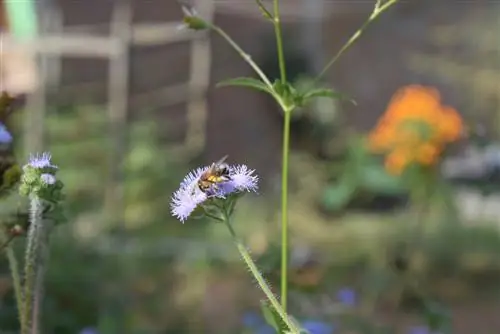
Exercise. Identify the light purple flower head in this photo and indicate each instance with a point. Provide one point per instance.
(188, 197)
(5, 136)
(48, 178)
(41, 161)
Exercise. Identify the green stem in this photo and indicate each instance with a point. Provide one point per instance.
(246, 57)
(379, 9)
(16, 281)
(31, 261)
(279, 40)
(260, 279)
(286, 153)
(284, 209)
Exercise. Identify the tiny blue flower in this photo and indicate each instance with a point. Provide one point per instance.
(188, 197)
(318, 327)
(419, 330)
(5, 136)
(347, 296)
(89, 330)
(265, 329)
(252, 320)
(48, 178)
(40, 161)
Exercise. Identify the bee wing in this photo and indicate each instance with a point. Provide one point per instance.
(221, 160)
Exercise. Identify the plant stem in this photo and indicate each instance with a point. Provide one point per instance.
(376, 12)
(40, 275)
(260, 279)
(246, 57)
(286, 152)
(279, 40)
(16, 281)
(31, 261)
(284, 209)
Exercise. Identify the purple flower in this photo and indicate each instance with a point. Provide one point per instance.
(89, 330)
(252, 320)
(318, 327)
(41, 161)
(419, 330)
(265, 329)
(188, 197)
(347, 296)
(48, 178)
(5, 136)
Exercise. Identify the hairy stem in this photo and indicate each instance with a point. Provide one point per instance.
(284, 208)
(279, 40)
(31, 261)
(40, 275)
(16, 281)
(260, 279)
(379, 9)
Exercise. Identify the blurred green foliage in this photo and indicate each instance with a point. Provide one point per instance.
(87, 281)
(360, 175)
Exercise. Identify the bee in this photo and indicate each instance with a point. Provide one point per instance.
(217, 173)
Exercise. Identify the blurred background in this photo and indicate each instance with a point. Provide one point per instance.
(126, 102)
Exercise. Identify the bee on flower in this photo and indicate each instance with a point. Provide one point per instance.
(219, 180)
(415, 129)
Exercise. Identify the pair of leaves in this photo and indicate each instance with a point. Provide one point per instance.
(289, 95)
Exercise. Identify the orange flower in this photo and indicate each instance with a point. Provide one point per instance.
(414, 128)
(397, 161)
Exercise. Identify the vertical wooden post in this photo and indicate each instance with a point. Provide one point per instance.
(118, 92)
(198, 83)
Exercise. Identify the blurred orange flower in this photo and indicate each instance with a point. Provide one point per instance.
(415, 128)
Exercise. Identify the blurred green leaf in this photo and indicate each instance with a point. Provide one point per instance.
(326, 92)
(437, 317)
(374, 178)
(272, 317)
(338, 196)
(246, 82)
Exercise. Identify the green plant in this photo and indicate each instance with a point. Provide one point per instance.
(289, 98)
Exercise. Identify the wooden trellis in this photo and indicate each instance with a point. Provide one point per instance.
(56, 42)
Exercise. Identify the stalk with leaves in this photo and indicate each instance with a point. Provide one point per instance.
(289, 99)
(44, 191)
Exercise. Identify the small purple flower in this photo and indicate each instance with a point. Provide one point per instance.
(419, 330)
(347, 296)
(265, 329)
(48, 178)
(5, 136)
(89, 330)
(41, 161)
(188, 197)
(252, 320)
(318, 327)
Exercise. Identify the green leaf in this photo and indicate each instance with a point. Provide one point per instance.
(246, 82)
(374, 178)
(437, 317)
(326, 92)
(336, 197)
(265, 12)
(272, 318)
